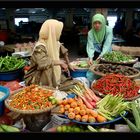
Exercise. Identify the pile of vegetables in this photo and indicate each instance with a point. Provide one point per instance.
(33, 97)
(86, 94)
(10, 63)
(71, 128)
(112, 106)
(116, 84)
(117, 56)
(74, 108)
(117, 69)
(135, 127)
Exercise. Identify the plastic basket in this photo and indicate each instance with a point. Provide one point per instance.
(11, 75)
(78, 73)
(7, 92)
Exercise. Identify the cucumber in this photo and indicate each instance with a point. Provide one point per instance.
(8, 128)
(1, 130)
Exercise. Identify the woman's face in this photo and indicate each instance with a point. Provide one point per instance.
(97, 25)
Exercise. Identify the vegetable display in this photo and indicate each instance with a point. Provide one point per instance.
(86, 94)
(116, 84)
(135, 127)
(75, 109)
(117, 69)
(10, 63)
(117, 56)
(112, 106)
(32, 97)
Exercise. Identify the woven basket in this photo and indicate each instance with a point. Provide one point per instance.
(92, 69)
(121, 63)
(103, 95)
(37, 111)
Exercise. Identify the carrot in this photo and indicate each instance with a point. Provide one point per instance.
(70, 110)
(93, 104)
(64, 102)
(71, 115)
(91, 119)
(67, 107)
(83, 112)
(79, 101)
(86, 103)
(62, 110)
(87, 96)
(78, 117)
(76, 110)
(92, 94)
(84, 118)
(73, 104)
(70, 100)
(94, 113)
(101, 119)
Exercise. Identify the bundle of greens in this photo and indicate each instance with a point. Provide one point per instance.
(112, 106)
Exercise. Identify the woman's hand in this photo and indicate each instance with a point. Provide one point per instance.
(63, 65)
(90, 61)
(71, 67)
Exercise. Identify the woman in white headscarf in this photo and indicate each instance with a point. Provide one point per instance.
(45, 60)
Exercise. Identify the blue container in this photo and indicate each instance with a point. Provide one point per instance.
(78, 73)
(11, 75)
(7, 93)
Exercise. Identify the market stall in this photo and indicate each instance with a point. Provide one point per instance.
(109, 104)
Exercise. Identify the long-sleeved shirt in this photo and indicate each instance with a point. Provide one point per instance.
(93, 46)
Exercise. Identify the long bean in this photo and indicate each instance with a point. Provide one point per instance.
(10, 63)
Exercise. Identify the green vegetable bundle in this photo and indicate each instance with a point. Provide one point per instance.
(135, 127)
(112, 106)
(117, 56)
(10, 63)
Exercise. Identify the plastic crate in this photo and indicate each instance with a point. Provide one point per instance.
(78, 73)
(7, 93)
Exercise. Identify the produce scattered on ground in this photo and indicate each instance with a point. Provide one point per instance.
(117, 69)
(134, 126)
(92, 129)
(116, 84)
(112, 106)
(86, 94)
(2, 94)
(72, 128)
(33, 97)
(74, 108)
(10, 63)
(8, 128)
(117, 56)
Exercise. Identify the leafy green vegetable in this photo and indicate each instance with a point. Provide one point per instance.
(117, 56)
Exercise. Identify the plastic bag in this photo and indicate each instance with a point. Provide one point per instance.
(55, 121)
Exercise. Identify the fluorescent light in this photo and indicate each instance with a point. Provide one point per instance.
(3, 8)
(17, 10)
